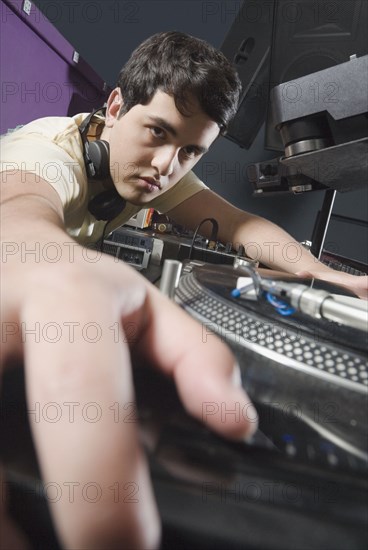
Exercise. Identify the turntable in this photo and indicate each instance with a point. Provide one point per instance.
(301, 481)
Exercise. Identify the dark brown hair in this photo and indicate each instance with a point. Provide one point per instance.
(182, 66)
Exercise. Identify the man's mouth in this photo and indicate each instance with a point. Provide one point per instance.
(152, 182)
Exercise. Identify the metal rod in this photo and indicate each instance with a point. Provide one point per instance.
(321, 226)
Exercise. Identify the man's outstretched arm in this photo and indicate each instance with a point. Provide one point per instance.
(263, 240)
(69, 315)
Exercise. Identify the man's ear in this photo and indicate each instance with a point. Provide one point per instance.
(113, 106)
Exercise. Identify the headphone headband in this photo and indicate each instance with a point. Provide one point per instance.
(87, 121)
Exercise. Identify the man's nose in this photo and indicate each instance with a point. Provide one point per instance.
(164, 160)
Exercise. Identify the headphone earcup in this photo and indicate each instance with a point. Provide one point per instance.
(107, 205)
(99, 155)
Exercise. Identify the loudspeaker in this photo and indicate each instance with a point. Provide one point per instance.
(276, 41)
(248, 46)
(309, 36)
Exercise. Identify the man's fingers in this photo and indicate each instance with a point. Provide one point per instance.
(353, 283)
(204, 369)
(77, 334)
(82, 414)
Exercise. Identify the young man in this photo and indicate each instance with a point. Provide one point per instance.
(65, 313)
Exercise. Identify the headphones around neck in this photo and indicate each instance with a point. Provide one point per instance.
(96, 154)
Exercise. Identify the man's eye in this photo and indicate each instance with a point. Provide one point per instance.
(190, 152)
(157, 132)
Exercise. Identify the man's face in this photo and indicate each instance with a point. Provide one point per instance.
(153, 146)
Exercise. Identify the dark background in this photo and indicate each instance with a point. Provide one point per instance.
(105, 32)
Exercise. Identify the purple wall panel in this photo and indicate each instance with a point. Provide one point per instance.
(38, 75)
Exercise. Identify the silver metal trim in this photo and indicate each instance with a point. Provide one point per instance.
(270, 354)
(305, 146)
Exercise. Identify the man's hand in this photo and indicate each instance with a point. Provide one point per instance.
(354, 283)
(74, 323)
